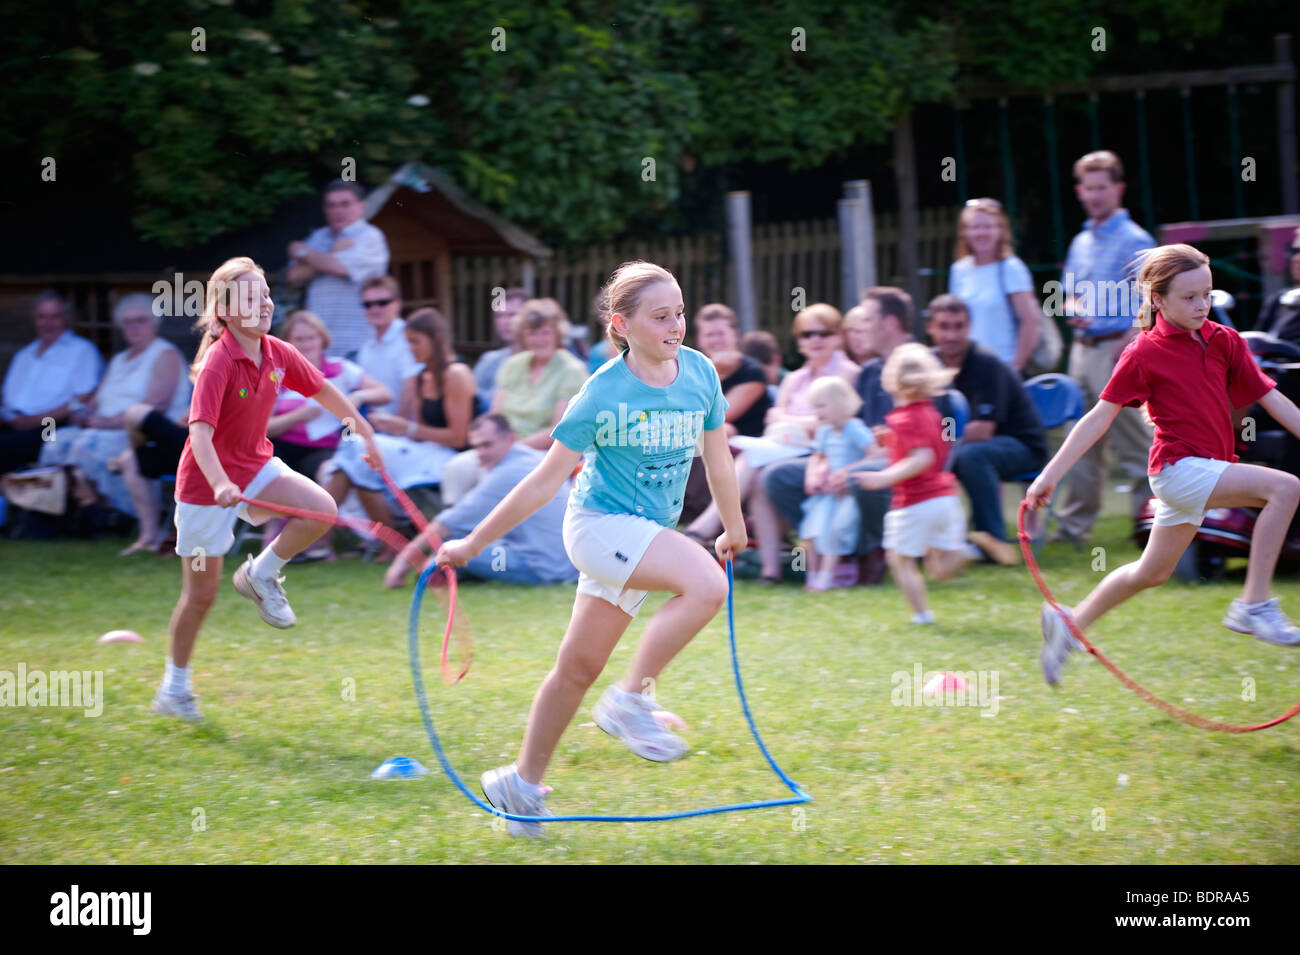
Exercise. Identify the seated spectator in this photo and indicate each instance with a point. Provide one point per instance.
(1004, 437)
(431, 426)
(603, 350)
(303, 434)
(887, 322)
(155, 451)
(385, 356)
(766, 350)
(532, 553)
(534, 386)
(489, 363)
(336, 260)
(1280, 316)
(50, 378)
(790, 425)
(1005, 316)
(150, 370)
(857, 343)
(744, 381)
(744, 385)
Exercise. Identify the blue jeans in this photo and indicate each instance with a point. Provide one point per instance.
(508, 571)
(982, 466)
(783, 483)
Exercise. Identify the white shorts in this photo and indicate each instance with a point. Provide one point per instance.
(210, 529)
(1183, 488)
(606, 549)
(937, 523)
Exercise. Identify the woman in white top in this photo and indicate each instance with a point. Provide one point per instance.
(1005, 315)
(150, 370)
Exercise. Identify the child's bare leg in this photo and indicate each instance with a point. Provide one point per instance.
(943, 564)
(909, 580)
(295, 490)
(200, 581)
(594, 631)
(1158, 560)
(1249, 485)
(676, 564)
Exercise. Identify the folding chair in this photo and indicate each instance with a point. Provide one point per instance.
(1058, 399)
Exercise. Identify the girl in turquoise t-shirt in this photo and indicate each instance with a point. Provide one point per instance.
(634, 427)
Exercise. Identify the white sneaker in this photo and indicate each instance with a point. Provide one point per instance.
(1266, 621)
(925, 617)
(183, 705)
(639, 722)
(1058, 643)
(507, 792)
(269, 596)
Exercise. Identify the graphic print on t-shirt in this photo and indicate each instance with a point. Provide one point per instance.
(668, 439)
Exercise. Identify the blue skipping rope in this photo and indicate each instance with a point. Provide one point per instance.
(799, 795)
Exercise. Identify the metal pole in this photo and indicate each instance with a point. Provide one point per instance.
(847, 210)
(742, 260)
(959, 155)
(864, 233)
(1144, 161)
(1094, 123)
(1234, 155)
(1286, 142)
(1189, 155)
(905, 178)
(1008, 164)
(1054, 178)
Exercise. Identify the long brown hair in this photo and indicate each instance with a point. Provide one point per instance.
(429, 322)
(1159, 266)
(625, 288)
(221, 286)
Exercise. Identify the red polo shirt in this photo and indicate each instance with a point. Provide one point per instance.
(912, 426)
(236, 396)
(1189, 389)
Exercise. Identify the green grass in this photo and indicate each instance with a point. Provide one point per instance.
(279, 770)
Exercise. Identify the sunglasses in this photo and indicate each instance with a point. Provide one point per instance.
(817, 333)
(972, 203)
(379, 302)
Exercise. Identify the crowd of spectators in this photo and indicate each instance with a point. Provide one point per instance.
(800, 437)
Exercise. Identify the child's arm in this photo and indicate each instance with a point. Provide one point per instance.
(205, 456)
(528, 496)
(720, 471)
(281, 423)
(1283, 410)
(815, 474)
(337, 404)
(908, 467)
(1090, 427)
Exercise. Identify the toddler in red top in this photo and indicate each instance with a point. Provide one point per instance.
(1190, 373)
(925, 519)
(238, 371)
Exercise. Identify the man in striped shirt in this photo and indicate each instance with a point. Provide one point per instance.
(336, 260)
(1101, 300)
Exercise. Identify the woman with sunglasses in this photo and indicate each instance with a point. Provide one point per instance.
(1005, 315)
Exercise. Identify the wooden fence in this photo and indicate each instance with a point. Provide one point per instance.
(787, 256)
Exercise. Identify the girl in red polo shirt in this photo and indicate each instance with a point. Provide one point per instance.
(238, 372)
(1191, 374)
(925, 519)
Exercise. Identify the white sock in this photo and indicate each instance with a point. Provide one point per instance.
(532, 789)
(268, 564)
(177, 679)
(925, 617)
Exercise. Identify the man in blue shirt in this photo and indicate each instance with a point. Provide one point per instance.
(532, 553)
(336, 260)
(1101, 301)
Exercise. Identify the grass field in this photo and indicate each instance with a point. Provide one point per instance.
(279, 771)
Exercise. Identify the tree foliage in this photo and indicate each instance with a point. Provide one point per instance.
(546, 110)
